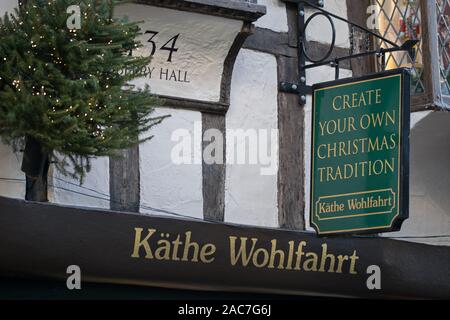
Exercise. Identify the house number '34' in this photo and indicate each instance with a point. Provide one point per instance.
(168, 46)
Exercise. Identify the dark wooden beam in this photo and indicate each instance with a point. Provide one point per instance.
(228, 65)
(291, 202)
(357, 13)
(124, 181)
(240, 9)
(213, 174)
(194, 105)
(268, 41)
(285, 44)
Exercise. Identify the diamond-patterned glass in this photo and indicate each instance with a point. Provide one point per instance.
(399, 20)
(443, 26)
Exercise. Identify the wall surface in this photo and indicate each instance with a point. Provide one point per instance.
(7, 6)
(429, 213)
(165, 184)
(11, 177)
(201, 42)
(93, 192)
(319, 29)
(276, 18)
(250, 197)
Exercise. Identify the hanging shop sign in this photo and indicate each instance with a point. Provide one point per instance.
(188, 50)
(360, 154)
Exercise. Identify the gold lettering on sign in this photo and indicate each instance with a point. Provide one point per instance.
(357, 99)
(180, 248)
(247, 253)
(152, 244)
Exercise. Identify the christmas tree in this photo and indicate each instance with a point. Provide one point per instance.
(64, 95)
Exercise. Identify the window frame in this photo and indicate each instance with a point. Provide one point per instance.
(432, 98)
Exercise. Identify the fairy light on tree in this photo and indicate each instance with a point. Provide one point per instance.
(62, 96)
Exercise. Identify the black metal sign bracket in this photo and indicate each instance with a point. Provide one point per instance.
(300, 87)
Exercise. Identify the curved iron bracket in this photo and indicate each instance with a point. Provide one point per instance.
(301, 88)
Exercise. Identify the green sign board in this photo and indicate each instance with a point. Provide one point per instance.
(360, 154)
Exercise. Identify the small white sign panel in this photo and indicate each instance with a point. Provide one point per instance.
(188, 50)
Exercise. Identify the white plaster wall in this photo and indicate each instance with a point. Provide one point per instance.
(12, 179)
(275, 18)
(7, 6)
(416, 117)
(319, 28)
(251, 198)
(94, 192)
(429, 212)
(164, 184)
(9, 161)
(316, 75)
(202, 46)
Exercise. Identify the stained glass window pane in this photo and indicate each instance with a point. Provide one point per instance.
(400, 20)
(443, 25)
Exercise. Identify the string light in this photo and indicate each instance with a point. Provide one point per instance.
(60, 107)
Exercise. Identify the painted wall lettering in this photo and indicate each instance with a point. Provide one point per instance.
(188, 50)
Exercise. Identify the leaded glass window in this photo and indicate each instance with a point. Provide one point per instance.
(443, 32)
(398, 21)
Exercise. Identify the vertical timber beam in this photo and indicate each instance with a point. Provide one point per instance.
(124, 181)
(357, 13)
(213, 173)
(430, 54)
(291, 117)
